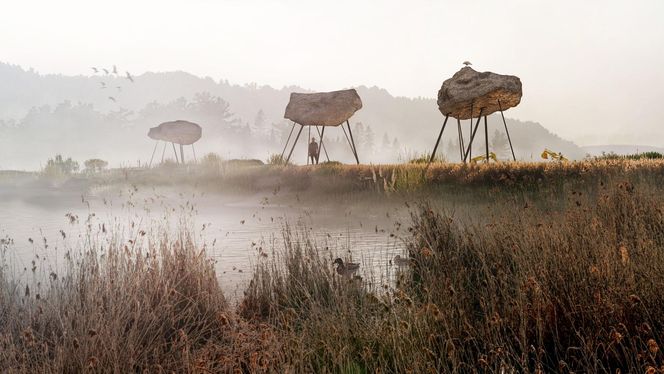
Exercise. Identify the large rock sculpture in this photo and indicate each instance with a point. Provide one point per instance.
(179, 132)
(488, 92)
(323, 108)
(176, 132)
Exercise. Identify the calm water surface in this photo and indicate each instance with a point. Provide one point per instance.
(233, 228)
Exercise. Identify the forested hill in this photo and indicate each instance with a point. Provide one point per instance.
(107, 116)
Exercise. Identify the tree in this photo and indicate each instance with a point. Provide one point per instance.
(59, 166)
(95, 165)
(500, 144)
(259, 121)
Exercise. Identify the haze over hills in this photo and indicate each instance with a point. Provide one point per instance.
(42, 115)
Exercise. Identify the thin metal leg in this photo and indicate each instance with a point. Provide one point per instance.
(175, 152)
(163, 152)
(294, 143)
(308, 140)
(486, 139)
(153, 151)
(348, 139)
(193, 150)
(508, 133)
(182, 153)
(322, 145)
(470, 131)
(461, 147)
(440, 135)
(321, 133)
(287, 140)
(472, 137)
(353, 141)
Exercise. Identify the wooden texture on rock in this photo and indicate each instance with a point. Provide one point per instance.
(323, 108)
(180, 132)
(482, 91)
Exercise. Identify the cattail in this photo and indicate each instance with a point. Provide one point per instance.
(624, 254)
(652, 346)
(616, 337)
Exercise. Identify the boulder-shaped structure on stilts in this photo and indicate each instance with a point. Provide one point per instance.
(322, 109)
(179, 132)
(470, 94)
(488, 92)
(176, 132)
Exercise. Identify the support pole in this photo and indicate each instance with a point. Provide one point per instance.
(294, 143)
(348, 139)
(461, 146)
(321, 133)
(163, 152)
(175, 152)
(287, 140)
(440, 135)
(508, 133)
(486, 139)
(308, 140)
(472, 137)
(182, 153)
(353, 141)
(193, 150)
(470, 131)
(153, 151)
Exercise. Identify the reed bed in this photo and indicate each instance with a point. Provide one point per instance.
(528, 291)
(520, 288)
(128, 301)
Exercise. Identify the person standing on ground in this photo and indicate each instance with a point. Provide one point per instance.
(313, 151)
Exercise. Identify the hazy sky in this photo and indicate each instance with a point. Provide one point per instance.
(592, 71)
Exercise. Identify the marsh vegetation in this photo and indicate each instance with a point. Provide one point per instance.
(557, 268)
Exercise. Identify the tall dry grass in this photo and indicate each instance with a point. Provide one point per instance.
(130, 301)
(578, 290)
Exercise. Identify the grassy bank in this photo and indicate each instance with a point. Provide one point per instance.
(335, 179)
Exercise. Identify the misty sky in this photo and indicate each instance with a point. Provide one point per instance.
(592, 71)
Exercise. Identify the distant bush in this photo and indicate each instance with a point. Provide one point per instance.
(635, 156)
(248, 162)
(276, 159)
(95, 165)
(211, 161)
(424, 158)
(58, 166)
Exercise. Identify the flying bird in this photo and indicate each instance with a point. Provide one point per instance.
(467, 63)
(112, 99)
(131, 79)
(115, 70)
(95, 70)
(105, 71)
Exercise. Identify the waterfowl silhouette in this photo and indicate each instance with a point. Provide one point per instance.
(346, 269)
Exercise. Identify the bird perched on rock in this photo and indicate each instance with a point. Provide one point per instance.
(467, 63)
(115, 70)
(346, 269)
(112, 99)
(95, 70)
(105, 71)
(131, 79)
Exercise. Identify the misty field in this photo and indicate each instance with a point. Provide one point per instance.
(559, 269)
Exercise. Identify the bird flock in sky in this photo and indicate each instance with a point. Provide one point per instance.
(111, 73)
